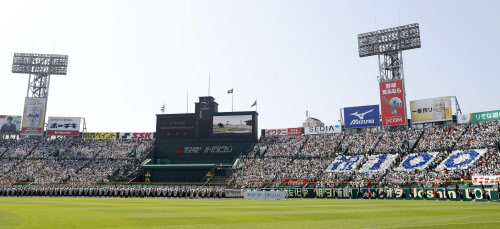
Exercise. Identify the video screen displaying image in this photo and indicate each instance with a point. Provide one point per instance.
(233, 124)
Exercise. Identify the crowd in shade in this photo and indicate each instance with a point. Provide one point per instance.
(273, 160)
(309, 156)
(71, 160)
(17, 148)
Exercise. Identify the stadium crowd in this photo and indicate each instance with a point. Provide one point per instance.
(271, 162)
(308, 156)
(71, 160)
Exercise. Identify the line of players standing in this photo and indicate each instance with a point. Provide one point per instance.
(111, 191)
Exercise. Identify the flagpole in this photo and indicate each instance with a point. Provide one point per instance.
(208, 84)
(187, 101)
(232, 100)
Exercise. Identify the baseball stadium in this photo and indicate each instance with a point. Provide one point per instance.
(407, 160)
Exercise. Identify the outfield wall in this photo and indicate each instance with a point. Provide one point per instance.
(396, 193)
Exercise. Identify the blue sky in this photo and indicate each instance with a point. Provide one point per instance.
(126, 58)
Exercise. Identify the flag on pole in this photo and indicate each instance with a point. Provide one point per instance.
(230, 91)
(254, 104)
(163, 108)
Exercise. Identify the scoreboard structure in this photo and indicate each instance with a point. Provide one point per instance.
(207, 124)
(190, 145)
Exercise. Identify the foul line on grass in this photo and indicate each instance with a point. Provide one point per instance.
(439, 224)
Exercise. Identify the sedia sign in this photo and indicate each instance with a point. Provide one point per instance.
(323, 130)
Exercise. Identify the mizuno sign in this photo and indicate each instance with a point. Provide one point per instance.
(360, 117)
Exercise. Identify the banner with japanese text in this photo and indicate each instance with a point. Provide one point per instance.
(431, 110)
(392, 103)
(485, 180)
(67, 126)
(283, 132)
(99, 135)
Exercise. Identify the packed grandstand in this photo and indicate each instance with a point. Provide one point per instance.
(436, 154)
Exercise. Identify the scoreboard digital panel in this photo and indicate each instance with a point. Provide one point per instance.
(176, 126)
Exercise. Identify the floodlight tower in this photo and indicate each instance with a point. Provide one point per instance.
(39, 67)
(388, 45)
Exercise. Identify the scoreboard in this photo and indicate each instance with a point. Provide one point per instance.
(207, 124)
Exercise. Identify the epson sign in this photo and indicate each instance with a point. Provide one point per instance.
(360, 117)
(322, 130)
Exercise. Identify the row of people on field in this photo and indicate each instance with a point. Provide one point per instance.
(113, 191)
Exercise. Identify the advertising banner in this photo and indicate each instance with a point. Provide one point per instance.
(486, 180)
(283, 132)
(10, 124)
(67, 126)
(264, 195)
(363, 116)
(99, 135)
(296, 182)
(33, 116)
(323, 130)
(394, 193)
(479, 117)
(43, 180)
(134, 135)
(392, 103)
(431, 110)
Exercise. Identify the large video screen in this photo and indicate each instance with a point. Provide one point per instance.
(232, 124)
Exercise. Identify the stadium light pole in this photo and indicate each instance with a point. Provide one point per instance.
(388, 45)
(39, 67)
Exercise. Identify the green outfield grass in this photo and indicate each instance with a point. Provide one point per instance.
(293, 213)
